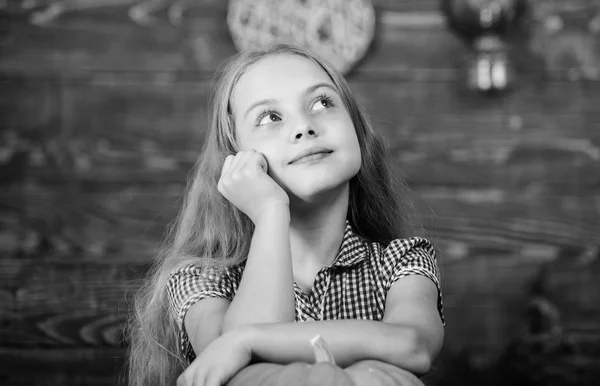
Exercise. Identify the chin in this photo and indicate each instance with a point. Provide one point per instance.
(314, 192)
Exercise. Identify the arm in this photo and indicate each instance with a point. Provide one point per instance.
(266, 290)
(410, 335)
(412, 301)
(258, 298)
(203, 322)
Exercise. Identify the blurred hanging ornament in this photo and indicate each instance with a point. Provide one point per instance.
(339, 30)
(567, 40)
(486, 26)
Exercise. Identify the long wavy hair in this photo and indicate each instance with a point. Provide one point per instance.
(211, 232)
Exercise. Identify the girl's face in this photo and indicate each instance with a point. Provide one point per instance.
(287, 108)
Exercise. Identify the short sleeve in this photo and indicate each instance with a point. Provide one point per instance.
(414, 256)
(191, 284)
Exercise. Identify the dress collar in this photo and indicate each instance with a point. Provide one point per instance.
(353, 249)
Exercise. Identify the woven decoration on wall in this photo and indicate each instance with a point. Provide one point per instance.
(339, 30)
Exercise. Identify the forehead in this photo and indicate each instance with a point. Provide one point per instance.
(264, 79)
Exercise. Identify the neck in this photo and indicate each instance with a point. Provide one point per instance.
(317, 229)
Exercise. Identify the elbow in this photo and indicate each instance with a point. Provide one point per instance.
(422, 361)
(421, 357)
(418, 354)
(425, 346)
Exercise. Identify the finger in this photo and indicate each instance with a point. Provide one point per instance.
(199, 380)
(227, 165)
(243, 159)
(260, 161)
(213, 379)
(183, 380)
(235, 162)
(253, 160)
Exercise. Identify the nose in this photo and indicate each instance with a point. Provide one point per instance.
(304, 129)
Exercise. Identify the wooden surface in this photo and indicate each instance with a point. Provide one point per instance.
(103, 118)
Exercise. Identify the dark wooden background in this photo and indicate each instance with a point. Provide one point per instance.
(101, 120)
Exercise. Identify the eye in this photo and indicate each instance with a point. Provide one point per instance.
(322, 102)
(266, 117)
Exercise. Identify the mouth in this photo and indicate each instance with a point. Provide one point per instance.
(310, 154)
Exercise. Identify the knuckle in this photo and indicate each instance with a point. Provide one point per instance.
(257, 156)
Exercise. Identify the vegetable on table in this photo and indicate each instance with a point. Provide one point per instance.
(324, 372)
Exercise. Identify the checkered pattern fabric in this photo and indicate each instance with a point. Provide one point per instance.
(354, 286)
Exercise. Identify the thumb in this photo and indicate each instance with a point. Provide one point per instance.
(262, 162)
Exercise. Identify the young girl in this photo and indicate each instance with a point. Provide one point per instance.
(291, 216)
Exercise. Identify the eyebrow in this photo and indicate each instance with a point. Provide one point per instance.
(306, 92)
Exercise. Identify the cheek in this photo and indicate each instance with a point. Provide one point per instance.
(357, 161)
(355, 150)
(273, 155)
(352, 140)
(259, 144)
(242, 143)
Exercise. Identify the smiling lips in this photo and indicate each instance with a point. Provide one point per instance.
(310, 154)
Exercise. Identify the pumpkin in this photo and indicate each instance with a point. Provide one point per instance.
(324, 373)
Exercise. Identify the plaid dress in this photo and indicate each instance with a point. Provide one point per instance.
(354, 286)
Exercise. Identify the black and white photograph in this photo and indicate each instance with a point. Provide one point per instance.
(299, 192)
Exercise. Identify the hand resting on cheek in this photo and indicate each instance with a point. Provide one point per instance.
(245, 183)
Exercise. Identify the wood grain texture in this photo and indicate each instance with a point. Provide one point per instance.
(53, 303)
(49, 367)
(102, 120)
(106, 42)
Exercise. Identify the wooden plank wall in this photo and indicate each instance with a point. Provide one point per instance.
(101, 120)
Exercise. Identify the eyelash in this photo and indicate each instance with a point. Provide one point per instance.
(320, 97)
(324, 97)
(262, 115)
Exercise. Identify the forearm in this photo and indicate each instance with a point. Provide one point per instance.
(266, 290)
(350, 341)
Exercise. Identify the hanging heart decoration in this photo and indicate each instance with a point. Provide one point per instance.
(339, 30)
